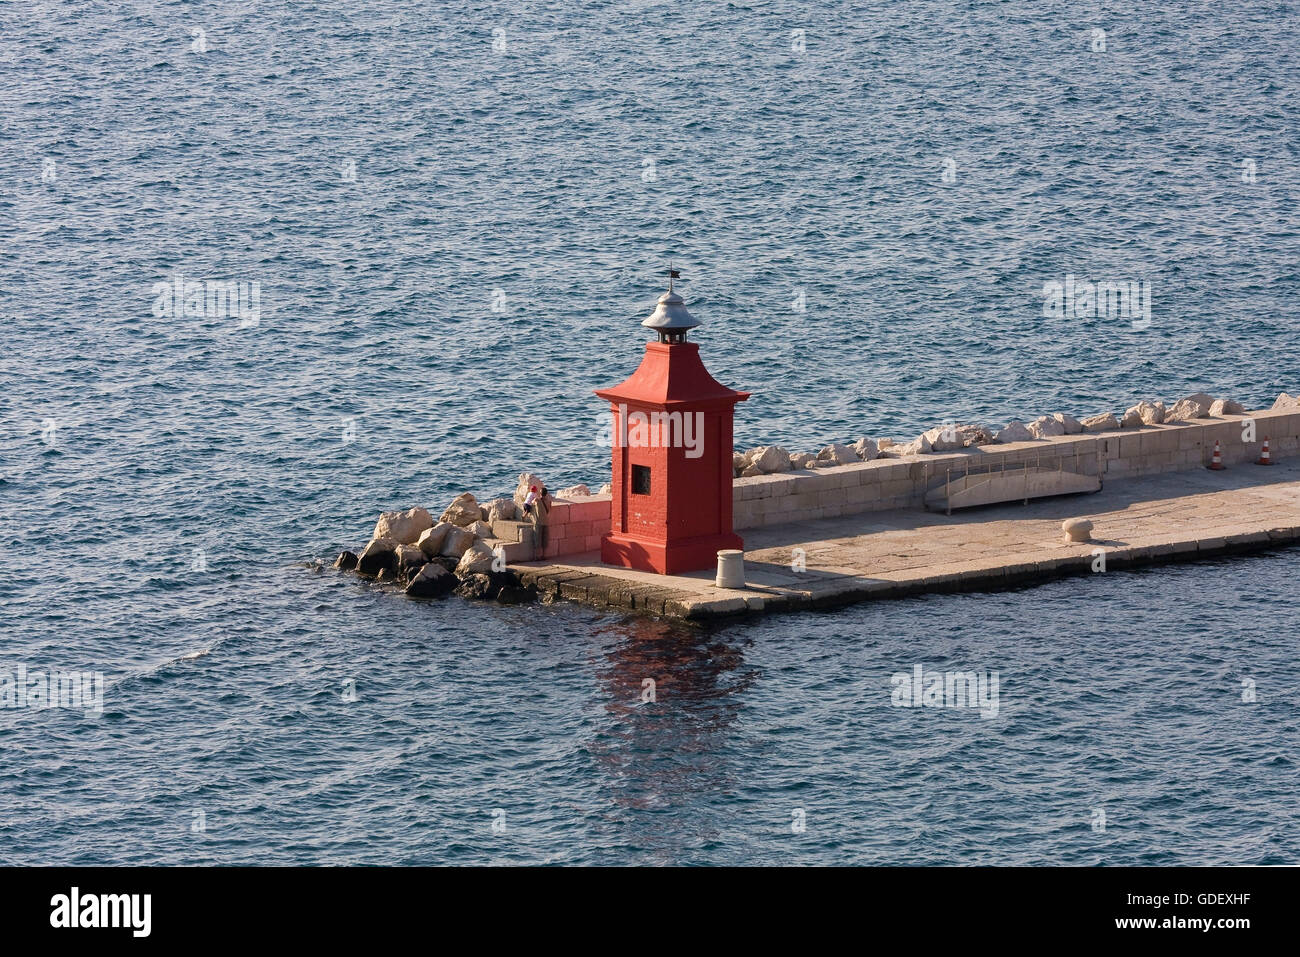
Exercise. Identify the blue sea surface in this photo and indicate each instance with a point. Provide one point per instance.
(456, 215)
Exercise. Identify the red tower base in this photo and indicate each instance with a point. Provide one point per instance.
(666, 558)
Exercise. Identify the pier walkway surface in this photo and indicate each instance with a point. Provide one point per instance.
(1175, 516)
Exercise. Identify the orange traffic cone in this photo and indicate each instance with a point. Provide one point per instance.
(1263, 454)
(1216, 460)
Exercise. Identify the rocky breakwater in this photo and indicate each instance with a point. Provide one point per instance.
(773, 459)
(465, 552)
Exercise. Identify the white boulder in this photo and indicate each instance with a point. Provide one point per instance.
(975, 435)
(477, 558)
(1045, 427)
(527, 481)
(1071, 425)
(574, 491)
(1105, 422)
(918, 446)
(1221, 407)
(769, 459)
(409, 558)
(403, 527)
(1132, 419)
(866, 449)
(458, 539)
(944, 438)
(801, 460)
(1145, 412)
(502, 510)
(1201, 398)
(1013, 431)
(1189, 408)
(431, 539)
(1151, 413)
(838, 454)
(463, 510)
(1285, 401)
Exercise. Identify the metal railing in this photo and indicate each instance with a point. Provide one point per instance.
(978, 465)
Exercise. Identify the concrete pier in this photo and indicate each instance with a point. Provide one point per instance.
(1169, 517)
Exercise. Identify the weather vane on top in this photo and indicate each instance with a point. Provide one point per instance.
(672, 274)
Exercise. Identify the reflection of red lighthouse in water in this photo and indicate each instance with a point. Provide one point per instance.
(671, 508)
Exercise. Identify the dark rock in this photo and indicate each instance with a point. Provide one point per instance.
(380, 554)
(407, 561)
(478, 585)
(346, 561)
(432, 581)
(515, 595)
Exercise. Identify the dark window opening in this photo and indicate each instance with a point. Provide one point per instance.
(640, 480)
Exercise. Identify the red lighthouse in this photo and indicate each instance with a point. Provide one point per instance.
(671, 508)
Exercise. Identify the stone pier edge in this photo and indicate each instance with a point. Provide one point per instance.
(575, 526)
(566, 583)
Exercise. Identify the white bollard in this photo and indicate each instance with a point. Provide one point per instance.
(731, 568)
(1077, 530)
